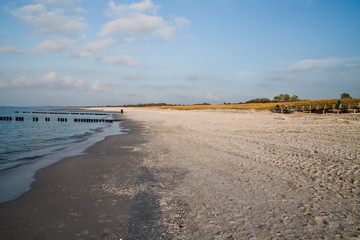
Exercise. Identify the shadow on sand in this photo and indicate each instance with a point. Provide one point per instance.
(146, 221)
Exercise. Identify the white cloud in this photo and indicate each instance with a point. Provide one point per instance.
(69, 5)
(121, 60)
(121, 9)
(313, 65)
(211, 97)
(56, 2)
(55, 45)
(49, 22)
(93, 48)
(50, 80)
(95, 86)
(138, 27)
(53, 81)
(73, 82)
(11, 49)
(139, 20)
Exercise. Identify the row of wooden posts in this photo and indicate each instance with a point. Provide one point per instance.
(320, 108)
(18, 119)
(68, 113)
(47, 119)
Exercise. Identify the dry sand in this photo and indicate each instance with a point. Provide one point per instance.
(230, 174)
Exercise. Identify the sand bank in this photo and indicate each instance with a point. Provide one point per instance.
(253, 175)
(218, 174)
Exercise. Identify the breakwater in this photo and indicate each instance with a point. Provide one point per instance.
(97, 117)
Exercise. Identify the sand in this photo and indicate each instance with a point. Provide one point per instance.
(216, 174)
(253, 175)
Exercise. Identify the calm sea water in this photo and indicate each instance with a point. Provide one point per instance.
(27, 146)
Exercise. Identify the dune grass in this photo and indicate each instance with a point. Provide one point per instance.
(259, 106)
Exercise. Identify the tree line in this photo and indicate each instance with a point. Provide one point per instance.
(280, 98)
(287, 98)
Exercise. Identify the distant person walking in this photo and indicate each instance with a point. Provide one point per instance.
(337, 103)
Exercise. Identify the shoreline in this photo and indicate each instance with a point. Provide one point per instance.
(66, 201)
(17, 181)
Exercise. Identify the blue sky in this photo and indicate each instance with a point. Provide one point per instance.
(109, 52)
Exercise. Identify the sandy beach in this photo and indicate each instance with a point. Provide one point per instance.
(253, 175)
(210, 174)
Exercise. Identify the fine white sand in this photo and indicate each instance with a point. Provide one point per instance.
(232, 174)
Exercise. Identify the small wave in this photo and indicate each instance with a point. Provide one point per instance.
(88, 133)
(12, 151)
(20, 161)
(59, 139)
(31, 157)
(98, 130)
(59, 149)
(81, 136)
(11, 167)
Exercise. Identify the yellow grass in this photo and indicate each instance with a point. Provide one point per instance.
(259, 106)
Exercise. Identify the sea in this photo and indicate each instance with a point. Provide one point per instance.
(37, 137)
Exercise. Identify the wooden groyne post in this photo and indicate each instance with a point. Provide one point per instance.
(5, 118)
(62, 119)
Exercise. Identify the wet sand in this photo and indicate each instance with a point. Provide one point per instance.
(67, 200)
(215, 174)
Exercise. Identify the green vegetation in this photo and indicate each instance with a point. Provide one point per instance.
(259, 100)
(345, 96)
(280, 98)
(286, 98)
